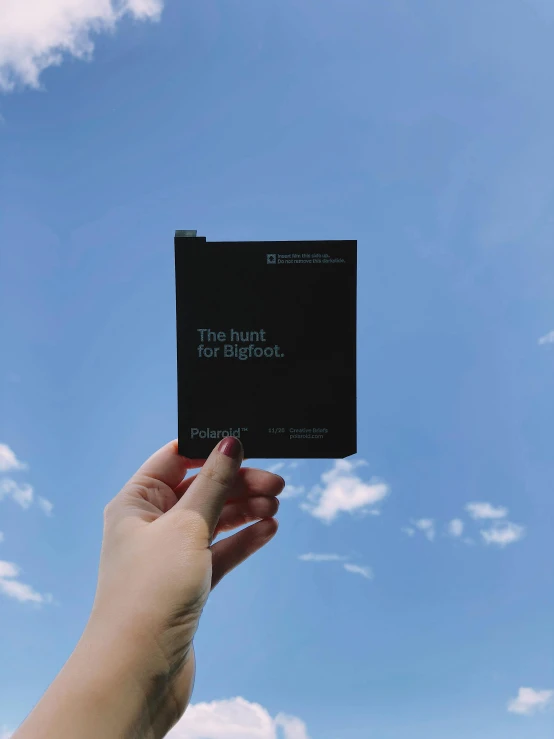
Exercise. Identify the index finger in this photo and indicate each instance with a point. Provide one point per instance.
(167, 465)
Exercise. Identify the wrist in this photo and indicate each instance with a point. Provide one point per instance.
(134, 678)
(113, 687)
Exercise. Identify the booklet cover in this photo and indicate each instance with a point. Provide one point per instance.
(266, 346)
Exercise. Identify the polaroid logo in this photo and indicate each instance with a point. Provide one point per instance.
(208, 433)
(271, 258)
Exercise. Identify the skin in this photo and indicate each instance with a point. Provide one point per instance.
(131, 673)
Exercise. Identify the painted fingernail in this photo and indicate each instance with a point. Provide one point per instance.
(230, 446)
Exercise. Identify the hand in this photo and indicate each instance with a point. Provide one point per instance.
(132, 672)
(158, 564)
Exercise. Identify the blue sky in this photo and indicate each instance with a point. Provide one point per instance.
(425, 133)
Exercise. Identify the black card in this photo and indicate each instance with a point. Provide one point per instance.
(266, 346)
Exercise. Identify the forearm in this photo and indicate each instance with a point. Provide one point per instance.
(111, 689)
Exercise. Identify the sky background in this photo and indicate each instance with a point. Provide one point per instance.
(425, 132)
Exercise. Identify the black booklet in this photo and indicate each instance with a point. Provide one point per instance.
(266, 346)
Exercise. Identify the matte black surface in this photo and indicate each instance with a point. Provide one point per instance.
(302, 404)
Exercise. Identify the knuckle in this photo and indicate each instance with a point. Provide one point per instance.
(217, 476)
(111, 508)
(108, 512)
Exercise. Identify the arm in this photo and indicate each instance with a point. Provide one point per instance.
(131, 674)
(110, 690)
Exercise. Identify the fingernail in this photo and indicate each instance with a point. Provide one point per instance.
(230, 446)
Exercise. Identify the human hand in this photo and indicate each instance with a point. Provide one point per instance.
(131, 674)
(158, 563)
(132, 671)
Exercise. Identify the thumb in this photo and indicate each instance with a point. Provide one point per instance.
(211, 487)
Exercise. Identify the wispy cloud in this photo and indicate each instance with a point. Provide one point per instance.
(46, 505)
(5, 733)
(503, 534)
(356, 569)
(311, 557)
(343, 491)
(485, 510)
(530, 701)
(426, 526)
(500, 533)
(292, 491)
(12, 587)
(8, 458)
(236, 718)
(366, 572)
(1, 536)
(35, 34)
(547, 338)
(21, 494)
(283, 467)
(455, 527)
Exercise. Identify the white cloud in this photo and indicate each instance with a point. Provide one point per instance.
(427, 526)
(46, 505)
(310, 557)
(13, 588)
(5, 733)
(503, 534)
(1, 536)
(530, 701)
(456, 527)
(8, 569)
(8, 460)
(35, 34)
(276, 467)
(485, 510)
(236, 718)
(408, 530)
(547, 338)
(22, 494)
(292, 726)
(343, 492)
(292, 491)
(366, 572)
